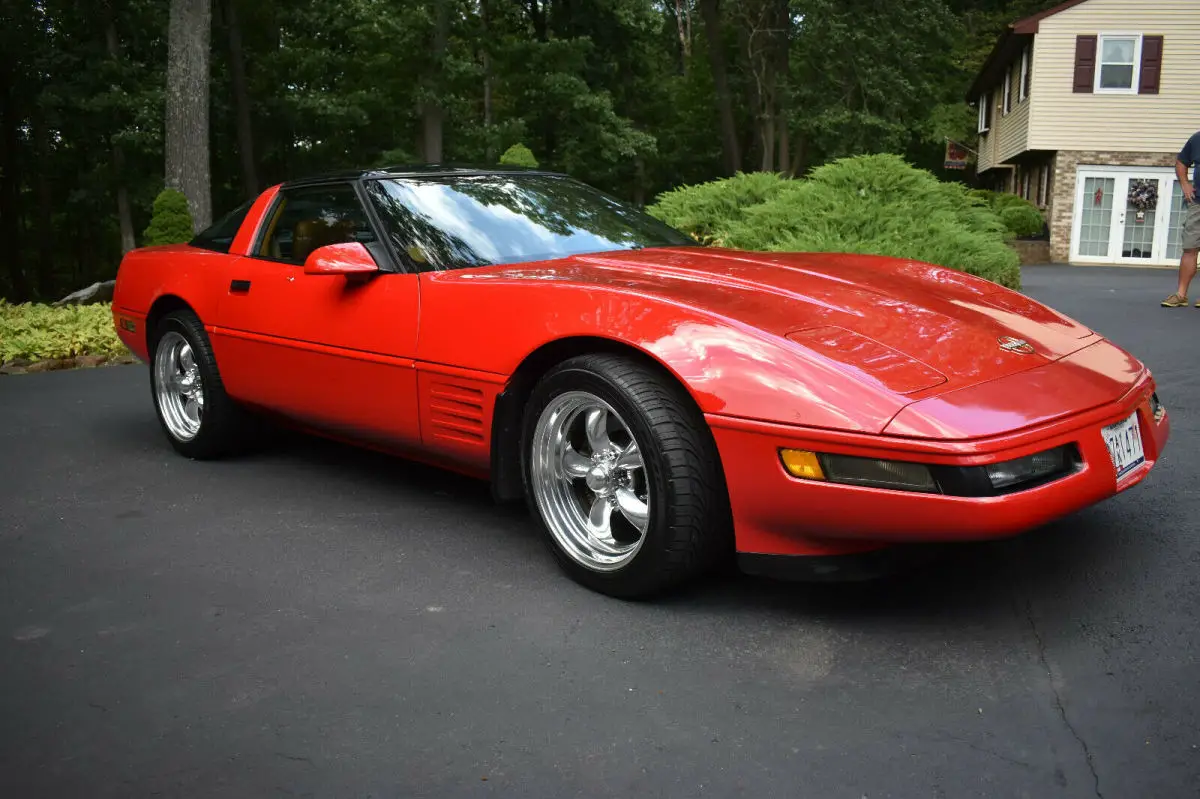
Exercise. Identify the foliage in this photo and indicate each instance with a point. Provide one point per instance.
(1023, 221)
(519, 155)
(704, 211)
(1021, 217)
(622, 94)
(867, 204)
(39, 331)
(171, 223)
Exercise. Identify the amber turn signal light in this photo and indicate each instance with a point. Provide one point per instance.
(802, 463)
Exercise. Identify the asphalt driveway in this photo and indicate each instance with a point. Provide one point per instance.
(316, 620)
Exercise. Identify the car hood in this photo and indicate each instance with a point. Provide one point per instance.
(906, 327)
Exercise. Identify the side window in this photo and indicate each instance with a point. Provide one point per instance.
(311, 217)
(220, 235)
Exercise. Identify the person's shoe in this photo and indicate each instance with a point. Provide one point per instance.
(1176, 301)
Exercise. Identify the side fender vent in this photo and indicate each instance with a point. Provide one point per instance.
(456, 412)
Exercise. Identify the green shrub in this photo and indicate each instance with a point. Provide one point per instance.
(1023, 221)
(705, 210)
(39, 332)
(519, 155)
(1021, 217)
(171, 222)
(875, 204)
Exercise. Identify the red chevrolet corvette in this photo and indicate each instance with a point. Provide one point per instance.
(660, 405)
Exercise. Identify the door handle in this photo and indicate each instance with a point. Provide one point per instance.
(239, 286)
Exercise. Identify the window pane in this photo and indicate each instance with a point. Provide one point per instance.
(477, 220)
(1096, 216)
(1174, 242)
(1139, 232)
(219, 237)
(315, 217)
(1116, 77)
(1118, 51)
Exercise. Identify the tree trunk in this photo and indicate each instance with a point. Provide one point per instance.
(241, 101)
(10, 182)
(124, 213)
(44, 226)
(782, 83)
(489, 152)
(537, 14)
(683, 23)
(431, 112)
(768, 135)
(188, 167)
(782, 138)
(800, 155)
(716, 59)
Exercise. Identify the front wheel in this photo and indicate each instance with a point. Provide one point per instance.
(622, 470)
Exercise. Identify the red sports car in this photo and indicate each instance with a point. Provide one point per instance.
(661, 406)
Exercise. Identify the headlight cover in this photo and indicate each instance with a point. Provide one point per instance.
(1027, 469)
(994, 479)
(899, 475)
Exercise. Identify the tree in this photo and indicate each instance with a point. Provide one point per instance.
(187, 156)
(100, 100)
(519, 155)
(716, 59)
(171, 222)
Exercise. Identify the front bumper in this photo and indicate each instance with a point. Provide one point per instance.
(777, 514)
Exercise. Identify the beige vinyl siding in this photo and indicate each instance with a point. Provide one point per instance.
(1010, 133)
(986, 161)
(1013, 133)
(1063, 120)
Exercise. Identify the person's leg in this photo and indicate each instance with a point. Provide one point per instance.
(1187, 270)
(1190, 239)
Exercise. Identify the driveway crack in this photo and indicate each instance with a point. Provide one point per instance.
(1058, 701)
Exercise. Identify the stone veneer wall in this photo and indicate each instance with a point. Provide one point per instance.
(1062, 189)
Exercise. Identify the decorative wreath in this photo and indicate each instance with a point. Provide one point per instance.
(1143, 194)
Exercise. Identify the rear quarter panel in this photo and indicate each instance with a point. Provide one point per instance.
(195, 276)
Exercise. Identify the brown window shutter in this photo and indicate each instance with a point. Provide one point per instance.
(987, 112)
(1085, 64)
(1152, 53)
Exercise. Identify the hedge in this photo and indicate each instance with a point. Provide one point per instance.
(1021, 217)
(875, 204)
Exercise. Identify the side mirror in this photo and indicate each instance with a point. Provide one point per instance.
(348, 258)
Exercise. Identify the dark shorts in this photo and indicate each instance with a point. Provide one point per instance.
(1189, 236)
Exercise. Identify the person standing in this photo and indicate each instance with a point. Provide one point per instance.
(1189, 156)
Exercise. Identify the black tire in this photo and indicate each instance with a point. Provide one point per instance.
(223, 425)
(690, 527)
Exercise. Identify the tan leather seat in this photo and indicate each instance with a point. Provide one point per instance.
(309, 234)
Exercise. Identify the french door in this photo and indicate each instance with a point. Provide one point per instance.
(1114, 225)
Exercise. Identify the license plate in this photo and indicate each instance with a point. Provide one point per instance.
(1124, 440)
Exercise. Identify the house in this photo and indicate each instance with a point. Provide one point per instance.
(1082, 110)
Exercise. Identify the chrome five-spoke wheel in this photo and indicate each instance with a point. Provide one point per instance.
(179, 387)
(589, 481)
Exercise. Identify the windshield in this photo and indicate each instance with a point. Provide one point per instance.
(460, 221)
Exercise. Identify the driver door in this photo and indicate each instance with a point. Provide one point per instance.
(328, 351)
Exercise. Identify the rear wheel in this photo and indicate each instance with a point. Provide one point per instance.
(199, 418)
(622, 471)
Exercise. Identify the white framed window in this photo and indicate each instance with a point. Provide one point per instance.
(1021, 93)
(1118, 63)
(985, 115)
(1007, 90)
